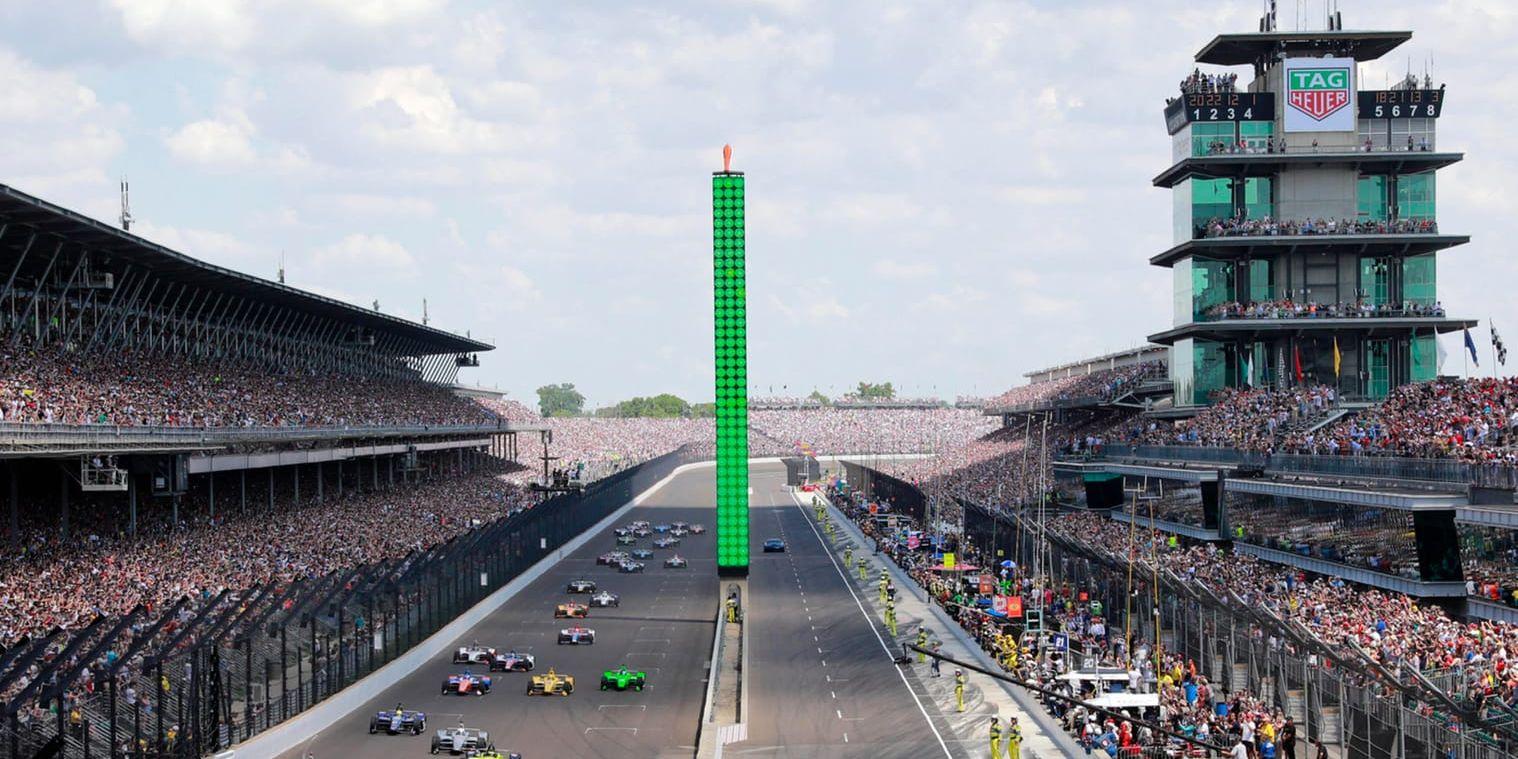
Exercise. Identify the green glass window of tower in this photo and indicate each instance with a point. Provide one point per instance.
(730, 331)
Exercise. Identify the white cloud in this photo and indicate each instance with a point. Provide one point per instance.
(59, 138)
(907, 271)
(213, 143)
(214, 246)
(374, 251)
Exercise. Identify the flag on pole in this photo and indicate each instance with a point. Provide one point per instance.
(1498, 347)
(1249, 369)
(1470, 345)
(1337, 356)
(1296, 361)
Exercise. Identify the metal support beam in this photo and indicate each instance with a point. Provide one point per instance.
(36, 292)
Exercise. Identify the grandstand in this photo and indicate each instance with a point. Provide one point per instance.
(196, 460)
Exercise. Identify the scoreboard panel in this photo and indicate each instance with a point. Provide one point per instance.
(1401, 104)
(1219, 106)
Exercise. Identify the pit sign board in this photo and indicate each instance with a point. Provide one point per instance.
(1319, 94)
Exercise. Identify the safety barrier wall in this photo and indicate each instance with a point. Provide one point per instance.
(292, 651)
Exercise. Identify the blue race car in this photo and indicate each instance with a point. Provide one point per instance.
(774, 545)
(397, 721)
(466, 683)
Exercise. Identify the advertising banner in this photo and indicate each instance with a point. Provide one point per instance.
(1319, 94)
(1014, 606)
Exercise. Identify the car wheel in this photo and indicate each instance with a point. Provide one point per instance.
(434, 748)
(373, 728)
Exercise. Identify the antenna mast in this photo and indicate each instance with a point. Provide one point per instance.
(126, 206)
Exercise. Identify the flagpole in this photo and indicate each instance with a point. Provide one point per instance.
(1493, 329)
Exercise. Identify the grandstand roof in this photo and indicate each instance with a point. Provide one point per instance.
(20, 210)
(1097, 363)
(1249, 47)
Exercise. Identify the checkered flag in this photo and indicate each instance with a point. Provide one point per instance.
(1498, 347)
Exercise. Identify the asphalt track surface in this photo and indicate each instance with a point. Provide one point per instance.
(664, 627)
(821, 681)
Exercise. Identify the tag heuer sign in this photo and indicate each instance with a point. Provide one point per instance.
(1320, 94)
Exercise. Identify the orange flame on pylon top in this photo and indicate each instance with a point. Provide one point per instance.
(727, 158)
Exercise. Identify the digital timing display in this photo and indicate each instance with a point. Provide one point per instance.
(1220, 106)
(1401, 104)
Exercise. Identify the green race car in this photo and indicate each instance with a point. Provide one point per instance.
(623, 678)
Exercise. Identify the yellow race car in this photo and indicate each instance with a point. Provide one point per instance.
(571, 610)
(551, 684)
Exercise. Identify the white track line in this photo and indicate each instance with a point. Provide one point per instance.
(871, 622)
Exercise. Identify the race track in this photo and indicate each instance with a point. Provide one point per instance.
(821, 682)
(664, 627)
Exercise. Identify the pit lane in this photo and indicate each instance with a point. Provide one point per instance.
(821, 682)
(664, 627)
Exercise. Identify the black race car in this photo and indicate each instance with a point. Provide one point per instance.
(668, 542)
(628, 567)
(642, 554)
(774, 545)
(582, 585)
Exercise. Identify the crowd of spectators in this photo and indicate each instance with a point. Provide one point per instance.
(1267, 226)
(1099, 385)
(1201, 83)
(102, 569)
(1468, 419)
(1190, 703)
(1256, 420)
(56, 386)
(1394, 629)
(1293, 309)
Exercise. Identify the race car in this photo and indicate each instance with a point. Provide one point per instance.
(679, 532)
(571, 610)
(642, 553)
(581, 586)
(466, 683)
(642, 532)
(623, 678)
(605, 599)
(626, 540)
(676, 562)
(666, 542)
(472, 654)
(628, 567)
(574, 636)
(612, 558)
(461, 740)
(397, 721)
(551, 684)
(661, 528)
(513, 661)
(493, 754)
(638, 524)
(679, 525)
(774, 545)
(622, 531)
(698, 529)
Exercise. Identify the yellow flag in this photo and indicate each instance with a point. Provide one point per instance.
(1336, 356)
(948, 561)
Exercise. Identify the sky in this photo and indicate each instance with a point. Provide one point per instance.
(942, 194)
